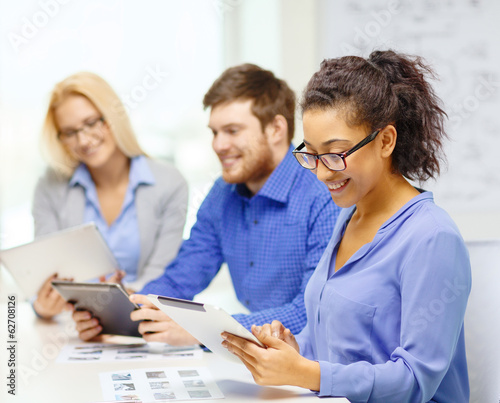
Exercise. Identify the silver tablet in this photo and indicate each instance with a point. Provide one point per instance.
(80, 253)
(106, 301)
(204, 321)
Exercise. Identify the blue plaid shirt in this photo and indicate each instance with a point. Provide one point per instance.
(271, 243)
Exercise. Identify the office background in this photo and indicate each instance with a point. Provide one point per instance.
(161, 56)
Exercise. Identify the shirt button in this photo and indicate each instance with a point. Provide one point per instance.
(251, 264)
(255, 222)
(247, 302)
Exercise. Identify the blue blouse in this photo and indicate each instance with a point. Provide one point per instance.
(388, 325)
(122, 236)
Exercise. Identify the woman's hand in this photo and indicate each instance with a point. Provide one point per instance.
(277, 330)
(157, 326)
(49, 302)
(116, 277)
(278, 364)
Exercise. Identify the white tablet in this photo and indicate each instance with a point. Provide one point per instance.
(205, 322)
(79, 252)
(108, 302)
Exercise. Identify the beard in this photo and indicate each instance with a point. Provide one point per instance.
(254, 165)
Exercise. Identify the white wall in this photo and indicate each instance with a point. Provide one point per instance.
(279, 35)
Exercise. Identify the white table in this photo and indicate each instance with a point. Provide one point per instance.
(40, 379)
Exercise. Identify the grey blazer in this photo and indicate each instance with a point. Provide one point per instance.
(161, 214)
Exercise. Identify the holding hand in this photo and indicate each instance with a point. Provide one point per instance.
(278, 364)
(49, 302)
(87, 326)
(277, 330)
(157, 326)
(116, 277)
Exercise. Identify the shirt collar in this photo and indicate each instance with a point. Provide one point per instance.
(81, 177)
(140, 174)
(415, 202)
(279, 183)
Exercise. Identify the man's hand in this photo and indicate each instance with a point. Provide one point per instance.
(87, 326)
(157, 326)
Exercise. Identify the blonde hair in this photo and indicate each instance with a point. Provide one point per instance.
(104, 98)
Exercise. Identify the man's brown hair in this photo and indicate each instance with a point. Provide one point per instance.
(270, 95)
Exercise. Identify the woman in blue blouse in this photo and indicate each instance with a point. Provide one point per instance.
(98, 172)
(386, 304)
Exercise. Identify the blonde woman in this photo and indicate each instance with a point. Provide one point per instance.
(98, 172)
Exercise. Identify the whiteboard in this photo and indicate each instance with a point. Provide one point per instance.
(459, 38)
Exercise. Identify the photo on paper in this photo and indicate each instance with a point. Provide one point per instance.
(188, 372)
(123, 376)
(133, 351)
(155, 374)
(178, 355)
(197, 394)
(164, 395)
(175, 349)
(124, 386)
(194, 383)
(91, 352)
(84, 358)
(121, 398)
(159, 385)
(131, 357)
(121, 352)
(90, 346)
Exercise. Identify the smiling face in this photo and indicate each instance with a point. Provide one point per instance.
(94, 148)
(241, 145)
(325, 131)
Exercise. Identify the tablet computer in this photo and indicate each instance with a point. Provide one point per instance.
(80, 253)
(106, 301)
(205, 322)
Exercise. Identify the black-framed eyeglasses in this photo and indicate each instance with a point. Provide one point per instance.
(91, 126)
(333, 161)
